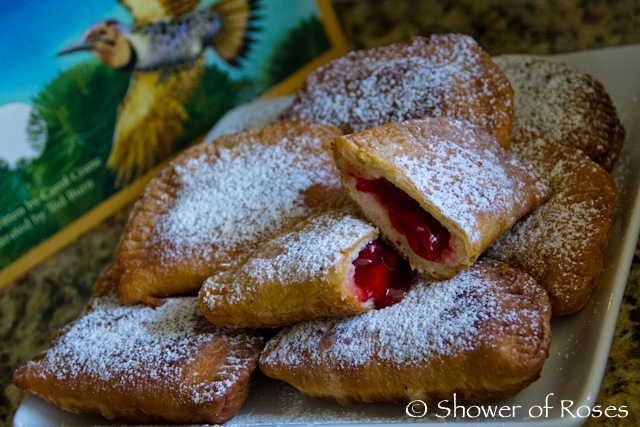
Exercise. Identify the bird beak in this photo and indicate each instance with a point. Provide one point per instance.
(77, 47)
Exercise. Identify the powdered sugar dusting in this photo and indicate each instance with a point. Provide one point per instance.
(301, 274)
(545, 94)
(308, 252)
(444, 75)
(564, 105)
(561, 243)
(138, 346)
(435, 319)
(466, 175)
(447, 189)
(236, 199)
(557, 231)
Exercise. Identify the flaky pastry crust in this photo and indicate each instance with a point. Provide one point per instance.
(304, 273)
(216, 202)
(565, 106)
(561, 244)
(144, 364)
(483, 334)
(458, 173)
(444, 75)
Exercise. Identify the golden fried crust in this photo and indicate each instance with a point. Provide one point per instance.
(444, 75)
(561, 244)
(565, 106)
(302, 274)
(458, 174)
(217, 201)
(143, 364)
(483, 334)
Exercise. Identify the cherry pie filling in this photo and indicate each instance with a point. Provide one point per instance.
(425, 235)
(381, 274)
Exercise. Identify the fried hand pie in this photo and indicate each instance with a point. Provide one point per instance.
(329, 265)
(561, 244)
(145, 364)
(440, 190)
(483, 334)
(444, 75)
(565, 106)
(216, 202)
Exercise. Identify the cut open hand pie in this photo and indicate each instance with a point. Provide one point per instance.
(440, 190)
(329, 265)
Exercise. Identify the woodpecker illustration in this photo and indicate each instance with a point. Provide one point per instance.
(164, 50)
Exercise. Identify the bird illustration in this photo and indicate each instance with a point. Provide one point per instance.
(164, 50)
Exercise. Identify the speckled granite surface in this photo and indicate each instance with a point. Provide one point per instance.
(33, 307)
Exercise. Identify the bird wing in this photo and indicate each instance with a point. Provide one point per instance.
(147, 11)
(150, 120)
(233, 42)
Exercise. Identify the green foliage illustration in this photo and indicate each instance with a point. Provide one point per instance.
(303, 43)
(79, 108)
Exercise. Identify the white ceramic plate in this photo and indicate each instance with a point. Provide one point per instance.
(580, 344)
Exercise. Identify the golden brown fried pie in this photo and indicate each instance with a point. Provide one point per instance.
(444, 75)
(443, 162)
(565, 106)
(483, 334)
(440, 190)
(144, 364)
(329, 265)
(218, 201)
(561, 244)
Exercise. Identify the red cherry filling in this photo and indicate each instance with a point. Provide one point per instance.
(381, 274)
(426, 236)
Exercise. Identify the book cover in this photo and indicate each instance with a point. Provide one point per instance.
(96, 95)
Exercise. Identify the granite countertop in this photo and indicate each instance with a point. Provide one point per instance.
(53, 293)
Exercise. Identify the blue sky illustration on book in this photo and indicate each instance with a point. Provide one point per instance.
(34, 34)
